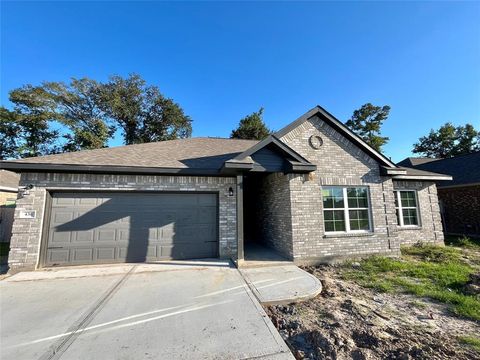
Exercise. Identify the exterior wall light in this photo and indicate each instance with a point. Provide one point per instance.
(230, 191)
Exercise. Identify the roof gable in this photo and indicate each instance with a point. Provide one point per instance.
(341, 128)
(270, 154)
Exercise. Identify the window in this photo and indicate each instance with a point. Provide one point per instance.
(406, 206)
(346, 209)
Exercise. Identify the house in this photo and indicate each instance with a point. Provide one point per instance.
(8, 195)
(313, 192)
(8, 187)
(460, 198)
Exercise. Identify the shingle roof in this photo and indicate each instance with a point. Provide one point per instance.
(193, 153)
(414, 161)
(8, 180)
(465, 169)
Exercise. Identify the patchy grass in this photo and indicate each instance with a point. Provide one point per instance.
(435, 272)
(462, 241)
(4, 248)
(472, 341)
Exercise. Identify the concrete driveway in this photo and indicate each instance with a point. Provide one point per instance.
(157, 311)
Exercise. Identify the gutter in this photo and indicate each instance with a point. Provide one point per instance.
(423, 177)
(8, 189)
(105, 169)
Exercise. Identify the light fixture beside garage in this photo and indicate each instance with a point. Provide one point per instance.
(25, 190)
(230, 191)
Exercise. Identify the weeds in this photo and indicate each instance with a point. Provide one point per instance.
(471, 341)
(436, 272)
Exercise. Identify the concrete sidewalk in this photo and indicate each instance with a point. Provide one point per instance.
(146, 311)
(274, 285)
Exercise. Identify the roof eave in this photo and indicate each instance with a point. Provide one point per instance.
(423, 177)
(299, 168)
(20, 167)
(392, 171)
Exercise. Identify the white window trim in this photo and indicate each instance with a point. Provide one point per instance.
(346, 213)
(400, 208)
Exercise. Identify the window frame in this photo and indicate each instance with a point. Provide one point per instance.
(400, 208)
(346, 210)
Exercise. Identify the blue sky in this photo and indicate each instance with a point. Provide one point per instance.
(223, 60)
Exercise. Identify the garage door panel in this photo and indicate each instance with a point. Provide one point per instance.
(117, 227)
(106, 254)
(106, 235)
(84, 236)
(82, 255)
(61, 237)
(58, 255)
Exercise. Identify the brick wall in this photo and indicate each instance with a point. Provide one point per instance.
(340, 162)
(461, 209)
(430, 229)
(26, 233)
(273, 213)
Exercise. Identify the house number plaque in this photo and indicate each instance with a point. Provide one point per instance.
(27, 214)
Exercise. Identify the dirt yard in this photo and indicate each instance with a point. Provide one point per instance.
(367, 316)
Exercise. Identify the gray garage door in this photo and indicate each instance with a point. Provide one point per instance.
(90, 228)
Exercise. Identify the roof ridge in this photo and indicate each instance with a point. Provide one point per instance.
(451, 157)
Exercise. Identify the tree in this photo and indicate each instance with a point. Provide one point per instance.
(76, 108)
(448, 141)
(84, 114)
(8, 134)
(367, 122)
(32, 112)
(251, 127)
(142, 112)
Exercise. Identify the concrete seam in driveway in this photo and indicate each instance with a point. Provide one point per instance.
(61, 345)
(273, 330)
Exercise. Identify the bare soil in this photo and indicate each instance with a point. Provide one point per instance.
(347, 321)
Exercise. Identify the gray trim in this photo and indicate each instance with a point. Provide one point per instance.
(422, 177)
(392, 171)
(102, 169)
(458, 186)
(238, 165)
(8, 189)
(240, 230)
(272, 140)
(300, 168)
(44, 234)
(338, 125)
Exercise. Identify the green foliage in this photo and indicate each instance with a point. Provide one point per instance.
(439, 273)
(472, 341)
(367, 122)
(76, 107)
(32, 113)
(448, 141)
(142, 112)
(251, 127)
(462, 241)
(91, 112)
(433, 253)
(9, 129)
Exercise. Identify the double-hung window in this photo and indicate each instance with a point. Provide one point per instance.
(346, 209)
(406, 206)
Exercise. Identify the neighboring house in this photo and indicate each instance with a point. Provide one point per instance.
(460, 198)
(8, 195)
(313, 191)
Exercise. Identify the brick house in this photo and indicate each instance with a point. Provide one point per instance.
(460, 198)
(8, 196)
(313, 192)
